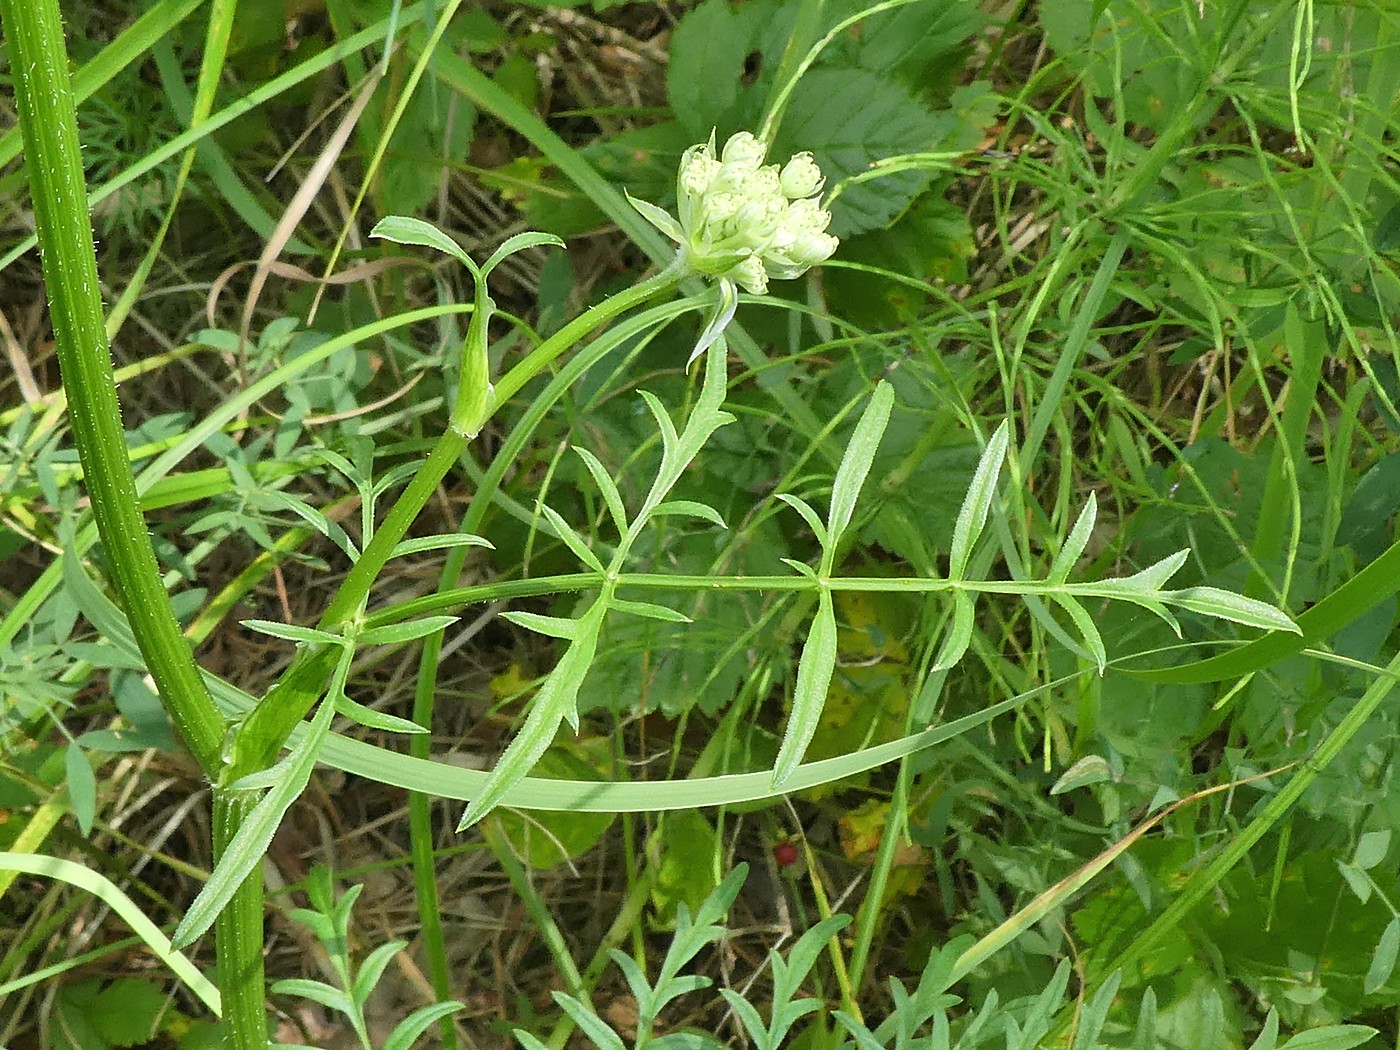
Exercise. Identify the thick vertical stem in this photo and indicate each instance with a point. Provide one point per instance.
(53, 162)
(238, 936)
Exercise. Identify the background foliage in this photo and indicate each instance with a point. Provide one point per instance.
(1158, 236)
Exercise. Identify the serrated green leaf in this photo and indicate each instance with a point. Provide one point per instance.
(959, 634)
(292, 632)
(128, 1011)
(690, 508)
(248, 845)
(814, 670)
(406, 631)
(649, 610)
(432, 543)
(708, 51)
(972, 515)
(1076, 542)
(607, 487)
(1383, 958)
(855, 463)
(849, 119)
(1226, 605)
(404, 229)
(809, 515)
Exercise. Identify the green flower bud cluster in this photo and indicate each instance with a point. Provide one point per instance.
(745, 221)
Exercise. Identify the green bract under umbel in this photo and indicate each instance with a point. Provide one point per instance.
(745, 221)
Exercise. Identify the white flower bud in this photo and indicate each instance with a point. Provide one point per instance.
(751, 275)
(719, 210)
(801, 177)
(812, 248)
(743, 150)
(698, 170)
(757, 221)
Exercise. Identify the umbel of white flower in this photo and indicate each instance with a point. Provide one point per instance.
(745, 221)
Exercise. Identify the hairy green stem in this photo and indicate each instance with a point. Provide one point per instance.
(48, 121)
(238, 936)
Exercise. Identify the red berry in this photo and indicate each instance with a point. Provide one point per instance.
(785, 853)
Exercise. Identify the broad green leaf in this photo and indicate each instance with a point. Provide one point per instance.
(859, 455)
(1074, 546)
(1383, 960)
(689, 508)
(1332, 1037)
(82, 787)
(245, 850)
(850, 119)
(1211, 601)
(1371, 849)
(404, 229)
(708, 50)
(432, 543)
(292, 632)
(814, 671)
(972, 516)
(407, 631)
(959, 634)
(571, 539)
(809, 515)
(607, 487)
(519, 243)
